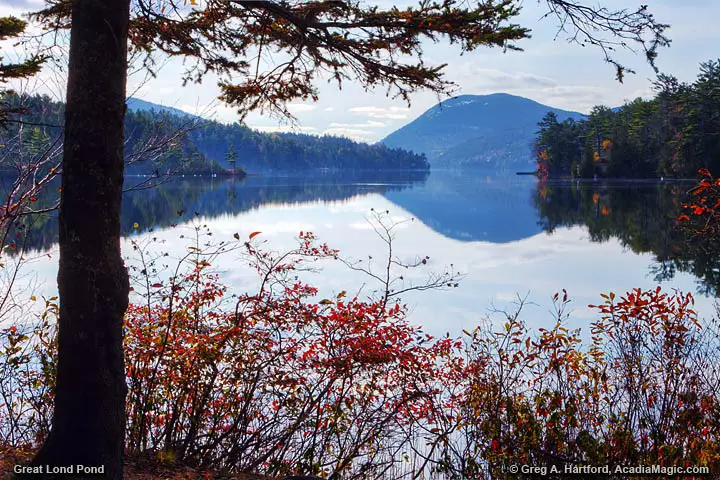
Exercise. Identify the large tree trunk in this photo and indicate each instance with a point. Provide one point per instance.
(88, 425)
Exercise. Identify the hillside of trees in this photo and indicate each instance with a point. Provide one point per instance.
(236, 144)
(156, 142)
(672, 135)
(160, 142)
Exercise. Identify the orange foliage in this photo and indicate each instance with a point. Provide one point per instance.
(558, 399)
(542, 171)
(703, 213)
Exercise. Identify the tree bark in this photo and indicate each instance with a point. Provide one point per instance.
(88, 426)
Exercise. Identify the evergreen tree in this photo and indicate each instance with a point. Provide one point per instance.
(674, 134)
(11, 27)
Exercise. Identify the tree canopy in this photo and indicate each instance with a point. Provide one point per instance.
(301, 42)
(11, 27)
(673, 135)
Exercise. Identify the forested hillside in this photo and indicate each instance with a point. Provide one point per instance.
(673, 135)
(156, 142)
(237, 146)
(160, 142)
(260, 152)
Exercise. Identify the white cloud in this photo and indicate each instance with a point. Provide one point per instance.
(18, 7)
(493, 79)
(300, 107)
(368, 124)
(224, 113)
(356, 134)
(395, 113)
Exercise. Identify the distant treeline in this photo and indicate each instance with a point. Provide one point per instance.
(156, 143)
(673, 135)
(262, 152)
(159, 142)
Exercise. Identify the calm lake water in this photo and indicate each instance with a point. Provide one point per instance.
(508, 236)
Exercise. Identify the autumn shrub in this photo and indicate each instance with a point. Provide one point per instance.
(284, 381)
(641, 390)
(27, 370)
(276, 382)
(700, 221)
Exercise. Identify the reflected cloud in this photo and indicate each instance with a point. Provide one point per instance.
(534, 263)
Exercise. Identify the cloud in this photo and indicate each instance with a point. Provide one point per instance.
(493, 79)
(642, 93)
(300, 107)
(574, 97)
(356, 134)
(21, 4)
(368, 124)
(394, 113)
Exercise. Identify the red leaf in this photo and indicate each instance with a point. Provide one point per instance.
(254, 234)
(156, 285)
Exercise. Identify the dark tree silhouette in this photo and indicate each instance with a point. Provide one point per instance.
(88, 426)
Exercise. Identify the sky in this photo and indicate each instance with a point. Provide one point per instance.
(549, 70)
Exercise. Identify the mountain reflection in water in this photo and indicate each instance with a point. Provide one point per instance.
(509, 235)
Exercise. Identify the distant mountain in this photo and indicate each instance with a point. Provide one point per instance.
(492, 132)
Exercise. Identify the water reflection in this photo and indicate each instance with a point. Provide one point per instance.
(509, 236)
(467, 206)
(179, 199)
(642, 216)
(458, 205)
